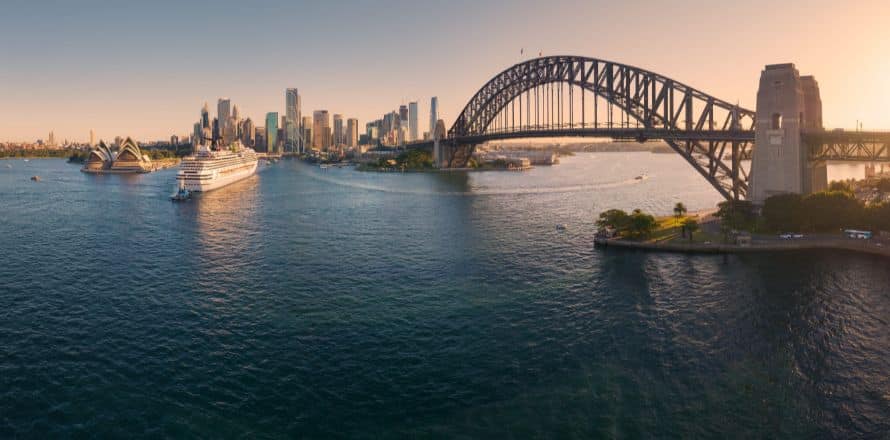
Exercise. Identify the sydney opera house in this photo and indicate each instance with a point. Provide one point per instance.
(128, 159)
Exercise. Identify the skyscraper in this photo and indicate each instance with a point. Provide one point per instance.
(232, 126)
(197, 136)
(260, 140)
(402, 135)
(403, 114)
(339, 135)
(412, 121)
(352, 133)
(321, 129)
(248, 133)
(205, 117)
(92, 138)
(272, 132)
(306, 133)
(293, 136)
(389, 123)
(434, 115)
(206, 128)
(223, 112)
(372, 130)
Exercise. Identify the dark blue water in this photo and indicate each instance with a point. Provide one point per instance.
(324, 304)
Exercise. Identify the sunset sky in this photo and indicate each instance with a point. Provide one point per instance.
(145, 68)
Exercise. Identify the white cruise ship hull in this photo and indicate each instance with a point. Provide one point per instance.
(215, 170)
(220, 181)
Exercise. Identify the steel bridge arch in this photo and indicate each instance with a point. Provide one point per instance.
(696, 125)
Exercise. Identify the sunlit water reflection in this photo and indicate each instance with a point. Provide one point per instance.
(312, 303)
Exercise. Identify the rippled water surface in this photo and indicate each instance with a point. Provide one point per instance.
(319, 304)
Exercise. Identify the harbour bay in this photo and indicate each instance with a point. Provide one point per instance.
(322, 303)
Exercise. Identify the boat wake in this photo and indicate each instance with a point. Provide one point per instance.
(483, 191)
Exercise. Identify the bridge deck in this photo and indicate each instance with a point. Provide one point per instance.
(856, 146)
(638, 134)
(641, 134)
(836, 146)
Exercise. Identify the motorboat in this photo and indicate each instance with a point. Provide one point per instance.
(181, 195)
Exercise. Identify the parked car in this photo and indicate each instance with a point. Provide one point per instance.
(859, 235)
(786, 236)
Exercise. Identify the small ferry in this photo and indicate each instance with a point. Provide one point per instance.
(182, 195)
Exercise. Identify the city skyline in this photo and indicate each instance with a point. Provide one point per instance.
(68, 80)
(466, 219)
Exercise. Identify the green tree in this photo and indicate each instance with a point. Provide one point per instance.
(840, 185)
(877, 217)
(415, 159)
(640, 224)
(613, 218)
(832, 210)
(783, 212)
(736, 215)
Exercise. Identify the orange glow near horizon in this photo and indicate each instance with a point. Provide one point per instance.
(150, 82)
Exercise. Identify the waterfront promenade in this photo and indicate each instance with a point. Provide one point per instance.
(759, 244)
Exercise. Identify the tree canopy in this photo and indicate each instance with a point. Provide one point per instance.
(826, 211)
(737, 215)
(636, 224)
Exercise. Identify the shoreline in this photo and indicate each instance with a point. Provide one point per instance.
(436, 170)
(866, 247)
(33, 157)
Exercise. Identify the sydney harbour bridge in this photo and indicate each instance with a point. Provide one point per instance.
(780, 147)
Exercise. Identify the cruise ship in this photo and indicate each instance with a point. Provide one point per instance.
(207, 170)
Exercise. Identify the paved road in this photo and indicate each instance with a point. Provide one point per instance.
(711, 225)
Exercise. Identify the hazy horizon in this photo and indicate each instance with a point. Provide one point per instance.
(145, 70)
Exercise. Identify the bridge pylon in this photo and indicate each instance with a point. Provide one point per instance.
(447, 153)
(787, 105)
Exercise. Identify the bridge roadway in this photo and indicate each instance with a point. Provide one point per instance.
(831, 146)
(638, 134)
(848, 146)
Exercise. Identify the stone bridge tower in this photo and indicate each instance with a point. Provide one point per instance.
(787, 105)
(440, 153)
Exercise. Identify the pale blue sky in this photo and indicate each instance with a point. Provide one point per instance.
(145, 68)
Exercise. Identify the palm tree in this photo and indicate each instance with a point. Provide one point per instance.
(679, 210)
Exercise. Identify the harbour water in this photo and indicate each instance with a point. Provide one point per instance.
(332, 303)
